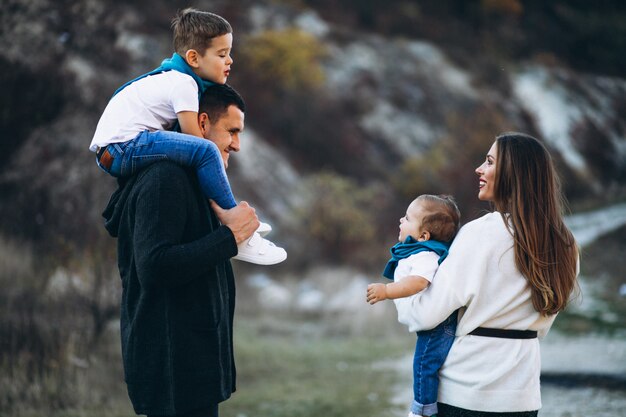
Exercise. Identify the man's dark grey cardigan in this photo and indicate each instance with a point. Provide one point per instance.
(178, 295)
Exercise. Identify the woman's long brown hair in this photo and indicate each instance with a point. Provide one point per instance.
(528, 194)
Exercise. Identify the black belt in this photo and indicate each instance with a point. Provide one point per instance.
(504, 333)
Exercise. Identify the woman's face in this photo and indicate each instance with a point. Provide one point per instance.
(487, 175)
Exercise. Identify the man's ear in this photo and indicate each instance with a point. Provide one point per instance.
(191, 56)
(204, 123)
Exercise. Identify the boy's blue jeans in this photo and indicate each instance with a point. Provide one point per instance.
(431, 349)
(190, 151)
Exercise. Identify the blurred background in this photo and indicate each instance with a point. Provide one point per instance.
(353, 109)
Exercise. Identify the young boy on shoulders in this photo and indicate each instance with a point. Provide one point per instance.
(136, 127)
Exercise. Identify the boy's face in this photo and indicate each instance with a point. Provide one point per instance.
(225, 132)
(411, 223)
(215, 64)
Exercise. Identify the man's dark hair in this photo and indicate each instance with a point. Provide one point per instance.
(217, 98)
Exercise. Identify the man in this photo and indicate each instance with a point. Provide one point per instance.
(178, 287)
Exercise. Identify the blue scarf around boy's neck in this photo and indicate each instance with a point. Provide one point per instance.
(176, 63)
(410, 246)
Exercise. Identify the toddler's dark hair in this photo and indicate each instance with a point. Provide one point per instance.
(443, 219)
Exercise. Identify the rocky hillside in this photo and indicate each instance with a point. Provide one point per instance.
(350, 115)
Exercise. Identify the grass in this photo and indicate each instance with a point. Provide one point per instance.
(92, 387)
(286, 366)
(305, 365)
(291, 373)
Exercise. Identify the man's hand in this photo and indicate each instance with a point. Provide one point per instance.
(241, 219)
(376, 293)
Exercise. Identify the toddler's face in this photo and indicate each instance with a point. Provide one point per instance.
(411, 223)
(215, 64)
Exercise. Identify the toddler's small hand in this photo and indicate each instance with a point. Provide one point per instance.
(376, 293)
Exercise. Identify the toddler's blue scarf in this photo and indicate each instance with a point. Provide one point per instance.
(176, 63)
(410, 246)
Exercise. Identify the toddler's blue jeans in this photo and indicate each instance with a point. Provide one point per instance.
(431, 349)
(187, 150)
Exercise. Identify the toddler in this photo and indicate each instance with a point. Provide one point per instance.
(426, 232)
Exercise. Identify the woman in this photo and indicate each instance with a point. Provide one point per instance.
(509, 272)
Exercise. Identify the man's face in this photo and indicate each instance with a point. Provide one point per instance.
(225, 132)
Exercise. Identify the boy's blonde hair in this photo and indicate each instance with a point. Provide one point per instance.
(443, 218)
(195, 29)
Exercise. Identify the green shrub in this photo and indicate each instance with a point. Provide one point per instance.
(337, 215)
(288, 58)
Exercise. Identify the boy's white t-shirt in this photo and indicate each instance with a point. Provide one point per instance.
(423, 264)
(150, 103)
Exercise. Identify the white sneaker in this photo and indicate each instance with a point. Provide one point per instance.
(260, 251)
(264, 229)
